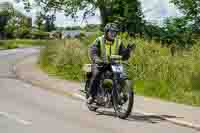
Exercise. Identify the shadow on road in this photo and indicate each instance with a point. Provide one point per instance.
(153, 119)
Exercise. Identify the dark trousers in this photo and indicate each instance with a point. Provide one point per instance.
(95, 80)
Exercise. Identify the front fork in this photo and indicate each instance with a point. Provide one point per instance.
(118, 81)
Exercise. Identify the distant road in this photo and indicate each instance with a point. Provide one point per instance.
(74, 33)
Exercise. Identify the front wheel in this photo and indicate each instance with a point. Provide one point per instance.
(123, 98)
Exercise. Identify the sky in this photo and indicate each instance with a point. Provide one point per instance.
(154, 11)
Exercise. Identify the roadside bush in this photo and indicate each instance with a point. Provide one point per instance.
(1, 44)
(64, 59)
(11, 46)
(40, 35)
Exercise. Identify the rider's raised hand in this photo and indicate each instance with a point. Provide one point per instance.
(131, 47)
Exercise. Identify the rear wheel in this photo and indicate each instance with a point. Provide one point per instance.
(123, 98)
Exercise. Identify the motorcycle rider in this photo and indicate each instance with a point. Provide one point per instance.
(100, 51)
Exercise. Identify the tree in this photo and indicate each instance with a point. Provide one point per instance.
(45, 22)
(178, 30)
(4, 18)
(129, 15)
(18, 25)
(152, 31)
(92, 27)
(39, 21)
(49, 23)
(25, 27)
(190, 8)
(71, 7)
(134, 16)
(6, 9)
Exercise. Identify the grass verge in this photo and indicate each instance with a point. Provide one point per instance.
(11, 44)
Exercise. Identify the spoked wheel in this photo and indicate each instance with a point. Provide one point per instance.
(123, 99)
(90, 107)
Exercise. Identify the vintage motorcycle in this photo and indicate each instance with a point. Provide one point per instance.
(114, 89)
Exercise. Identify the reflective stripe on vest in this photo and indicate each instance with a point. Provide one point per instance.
(105, 48)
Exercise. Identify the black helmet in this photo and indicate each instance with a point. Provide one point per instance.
(112, 27)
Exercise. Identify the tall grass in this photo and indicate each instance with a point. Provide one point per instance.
(64, 59)
(159, 74)
(156, 73)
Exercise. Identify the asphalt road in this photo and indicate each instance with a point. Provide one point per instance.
(29, 109)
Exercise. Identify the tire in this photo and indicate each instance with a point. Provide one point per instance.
(92, 108)
(116, 103)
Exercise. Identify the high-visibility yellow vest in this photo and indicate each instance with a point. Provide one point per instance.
(109, 48)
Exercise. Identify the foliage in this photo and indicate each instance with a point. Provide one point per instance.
(20, 27)
(5, 15)
(3, 20)
(178, 30)
(39, 22)
(152, 31)
(175, 30)
(92, 28)
(160, 75)
(40, 35)
(11, 44)
(45, 22)
(155, 72)
(128, 14)
(107, 8)
(53, 59)
(14, 23)
(190, 8)
(49, 23)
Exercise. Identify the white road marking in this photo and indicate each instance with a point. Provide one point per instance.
(10, 116)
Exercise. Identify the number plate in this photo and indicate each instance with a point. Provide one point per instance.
(117, 68)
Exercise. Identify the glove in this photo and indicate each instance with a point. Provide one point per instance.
(98, 61)
(131, 46)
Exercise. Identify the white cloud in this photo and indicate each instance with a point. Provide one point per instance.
(63, 20)
(160, 10)
(157, 10)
